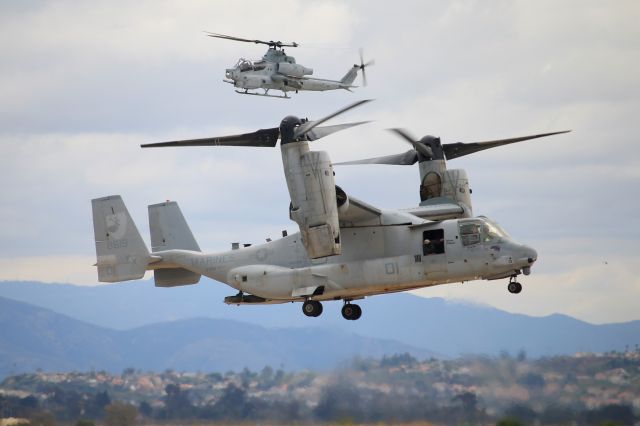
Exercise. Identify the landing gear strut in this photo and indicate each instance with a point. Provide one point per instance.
(514, 287)
(351, 312)
(312, 308)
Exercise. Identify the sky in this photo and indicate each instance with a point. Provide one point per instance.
(83, 84)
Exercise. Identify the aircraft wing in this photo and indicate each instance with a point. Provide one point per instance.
(436, 211)
(359, 213)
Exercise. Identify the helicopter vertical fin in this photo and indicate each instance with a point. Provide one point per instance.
(349, 77)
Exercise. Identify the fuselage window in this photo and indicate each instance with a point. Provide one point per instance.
(470, 233)
(433, 242)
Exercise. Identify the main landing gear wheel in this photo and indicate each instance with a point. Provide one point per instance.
(514, 287)
(351, 312)
(312, 308)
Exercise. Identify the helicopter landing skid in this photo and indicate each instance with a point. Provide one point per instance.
(246, 92)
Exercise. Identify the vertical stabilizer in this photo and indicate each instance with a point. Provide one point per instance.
(122, 254)
(169, 231)
(350, 76)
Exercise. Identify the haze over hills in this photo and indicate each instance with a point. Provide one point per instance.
(446, 328)
(33, 337)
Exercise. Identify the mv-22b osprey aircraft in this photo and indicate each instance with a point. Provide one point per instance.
(346, 249)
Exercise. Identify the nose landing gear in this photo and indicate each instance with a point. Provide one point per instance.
(514, 287)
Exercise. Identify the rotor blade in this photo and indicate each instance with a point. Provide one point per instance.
(304, 128)
(405, 159)
(422, 149)
(320, 132)
(270, 43)
(262, 137)
(363, 66)
(459, 149)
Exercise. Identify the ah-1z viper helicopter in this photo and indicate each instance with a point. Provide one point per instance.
(279, 71)
(346, 249)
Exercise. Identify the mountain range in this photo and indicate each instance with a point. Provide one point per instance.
(189, 328)
(36, 338)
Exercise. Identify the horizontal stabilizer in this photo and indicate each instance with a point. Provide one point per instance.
(174, 277)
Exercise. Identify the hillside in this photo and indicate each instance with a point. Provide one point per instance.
(33, 338)
(447, 328)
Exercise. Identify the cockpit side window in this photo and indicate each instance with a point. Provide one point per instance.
(470, 233)
(433, 242)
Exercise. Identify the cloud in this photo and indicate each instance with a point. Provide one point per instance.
(84, 84)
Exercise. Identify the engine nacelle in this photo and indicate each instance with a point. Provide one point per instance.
(437, 181)
(313, 206)
(456, 186)
(342, 200)
(293, 70)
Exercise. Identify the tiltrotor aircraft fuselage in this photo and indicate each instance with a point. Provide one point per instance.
(346, 249)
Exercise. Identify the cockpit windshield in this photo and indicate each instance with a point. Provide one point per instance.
(479, 230)
(492, 230)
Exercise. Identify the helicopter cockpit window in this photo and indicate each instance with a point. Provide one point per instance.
(433, 242)
(492, 231)
(470, 232)
(244, 65)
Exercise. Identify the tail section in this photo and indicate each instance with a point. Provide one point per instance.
(169, 231)
(122, 254)
(350, 76)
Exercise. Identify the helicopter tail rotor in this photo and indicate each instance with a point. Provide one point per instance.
(363, 66)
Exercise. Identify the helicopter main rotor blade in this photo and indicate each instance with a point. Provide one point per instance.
(405, 159)
(306, 127)
(322, 131)
(262, 137)
(269, 43)
(459, 149)
(422, 149)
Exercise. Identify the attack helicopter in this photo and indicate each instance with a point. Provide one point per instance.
(346, 250)
(279, 71)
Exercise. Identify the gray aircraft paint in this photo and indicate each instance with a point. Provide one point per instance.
(376, 259)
